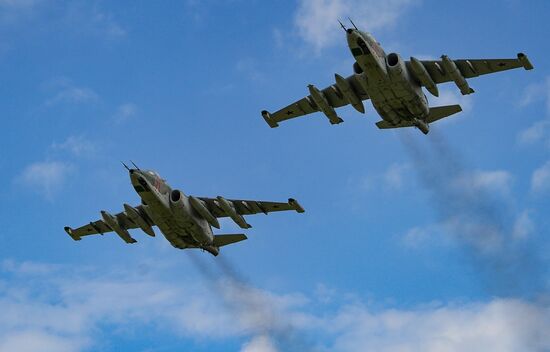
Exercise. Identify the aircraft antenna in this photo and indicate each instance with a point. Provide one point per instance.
(354, 26)
(341, 25)
(126, 166)
(137, 167)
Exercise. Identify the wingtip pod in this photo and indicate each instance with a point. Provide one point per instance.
(524, 60)
(295, 205)
(267, 117)
(69, 231)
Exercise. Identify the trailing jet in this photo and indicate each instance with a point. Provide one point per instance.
(393, 85)
(185, 221)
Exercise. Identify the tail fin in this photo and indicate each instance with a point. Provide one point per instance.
(224, 240)
(439, 112)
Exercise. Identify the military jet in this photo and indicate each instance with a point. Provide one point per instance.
(394, 85)
(185, 221)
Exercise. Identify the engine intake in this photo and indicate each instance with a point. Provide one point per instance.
(396, 67)
(175, 196)
(393, 59)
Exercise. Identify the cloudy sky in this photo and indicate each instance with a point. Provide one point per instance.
(408, 243)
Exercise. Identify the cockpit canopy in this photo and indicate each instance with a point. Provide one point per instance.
(153, 175)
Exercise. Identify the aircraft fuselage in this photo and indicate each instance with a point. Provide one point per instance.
(393, 92)
(171, 212)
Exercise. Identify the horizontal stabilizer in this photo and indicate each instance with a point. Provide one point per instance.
(383, 124)
(224, 240)
(436, 113)
(439, 112)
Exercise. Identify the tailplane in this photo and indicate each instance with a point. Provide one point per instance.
(439, 112)
(436, 113)
(224, 240)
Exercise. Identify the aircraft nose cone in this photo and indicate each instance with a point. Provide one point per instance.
(349, 30)
(135, 175)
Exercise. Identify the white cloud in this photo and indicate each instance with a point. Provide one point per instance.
(418, 236)
(459, 229)
(32, 341)
(46, 177)
(451, 97)
(68, 93)
(125, 112)
(535, 133)
(13, 11)
(467, 218)
(499, 325)
(540, 130)
(540, 181)
(249, 68)
(483, 235)
(65, 308)
(494, 182)
(27, 268)
(71, 309)
(18, 4)
(537, 92)
(259, 344)
(317, 20)
(105, 24)
(76, 145)
(523, 226)
(74, 95)
(393, 177)
(74, 17)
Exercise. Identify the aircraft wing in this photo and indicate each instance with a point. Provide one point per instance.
(119, 223)
(218, 206)
(345, 91)
(470, 68)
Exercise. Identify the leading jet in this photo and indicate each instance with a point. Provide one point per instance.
(393, 85)
(185, 221)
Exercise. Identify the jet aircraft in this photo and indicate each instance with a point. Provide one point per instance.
(393, 85)
(185, 221)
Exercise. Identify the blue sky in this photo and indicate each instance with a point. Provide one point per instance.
(409, 242)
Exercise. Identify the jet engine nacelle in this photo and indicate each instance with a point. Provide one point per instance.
(177, 204)
(397, 68)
